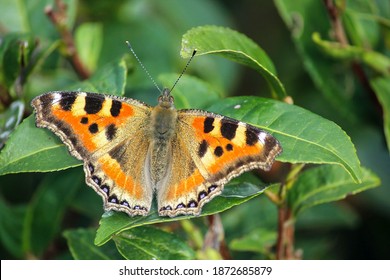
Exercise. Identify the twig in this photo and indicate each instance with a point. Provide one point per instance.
(290, 234)
(341, 37)
(58, 18)
(281, 234)
(286, 226)
(286, 231)
(336, 22)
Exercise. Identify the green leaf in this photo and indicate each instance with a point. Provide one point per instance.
(325, 184)
(360, 19)
(234, 46)
(41, 150)
(89, 41)
(304, 136)
(46, 211)
(29, 17)
(15, 53)
(235, 193)
(303, 18)
(382, 90)
(11, 228)
(259, 240)
(375, 60)
(10, 119)
(149, 243)
(110, 79)
(328, 216)
(80, 243)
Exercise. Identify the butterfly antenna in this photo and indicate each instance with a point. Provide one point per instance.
(143, 67)
(184, 70)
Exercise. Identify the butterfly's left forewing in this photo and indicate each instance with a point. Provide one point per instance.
(109, 134)
(213, 150)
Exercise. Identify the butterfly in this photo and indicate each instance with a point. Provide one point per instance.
(133, 152)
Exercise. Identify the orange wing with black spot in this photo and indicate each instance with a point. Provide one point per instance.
(109, 134)
(212, 149)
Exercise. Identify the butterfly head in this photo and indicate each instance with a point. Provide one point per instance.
(166, 100)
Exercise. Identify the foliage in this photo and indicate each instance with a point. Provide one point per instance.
(74, 45)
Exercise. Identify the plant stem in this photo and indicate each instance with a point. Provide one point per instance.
(281, 234)
(290, 233)
(286, 226)
(286, 230)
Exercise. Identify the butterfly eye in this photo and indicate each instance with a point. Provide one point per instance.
(171, 99)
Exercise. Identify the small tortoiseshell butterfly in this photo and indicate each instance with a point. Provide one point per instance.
(132, 150)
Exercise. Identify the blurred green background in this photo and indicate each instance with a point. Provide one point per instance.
(355, 228)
